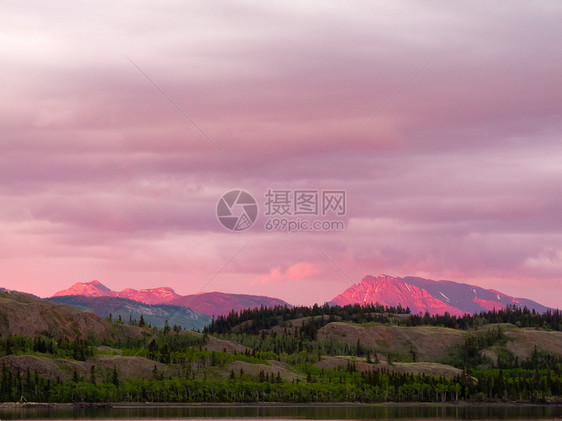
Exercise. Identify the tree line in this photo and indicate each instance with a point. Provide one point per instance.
(345, 385)
(257, 319)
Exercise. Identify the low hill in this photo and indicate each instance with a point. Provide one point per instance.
(431, 343)
(127, 367)
(428, 342)
(26, 315)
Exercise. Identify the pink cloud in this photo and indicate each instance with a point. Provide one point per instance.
(298, 271)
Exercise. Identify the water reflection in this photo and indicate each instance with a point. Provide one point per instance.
(347, 412)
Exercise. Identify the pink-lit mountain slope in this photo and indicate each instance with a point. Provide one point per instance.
(96, 289)
(435, 297)
(390, 291)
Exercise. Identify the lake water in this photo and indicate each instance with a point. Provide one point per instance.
(339, 412)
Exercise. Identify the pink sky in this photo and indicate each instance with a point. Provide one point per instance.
(458, 178)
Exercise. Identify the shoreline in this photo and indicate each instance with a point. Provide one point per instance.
(150, 405)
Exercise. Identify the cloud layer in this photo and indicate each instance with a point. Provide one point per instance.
(105, 176)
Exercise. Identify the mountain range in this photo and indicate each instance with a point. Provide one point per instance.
(192, 311)
(161, 295)
(209, 303)
(424, 295)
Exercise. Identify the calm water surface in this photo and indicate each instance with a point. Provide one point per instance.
(212, 413)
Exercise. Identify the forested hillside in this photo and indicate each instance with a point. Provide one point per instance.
(302, 354)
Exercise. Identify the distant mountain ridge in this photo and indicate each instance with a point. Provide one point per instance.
(425, 295)
(154, 314)
(209, 303)
(97, 289)
(216, 303)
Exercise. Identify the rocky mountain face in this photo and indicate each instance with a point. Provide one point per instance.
(471, 298)
(97, 289)
(390, 291)
(435, 297)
